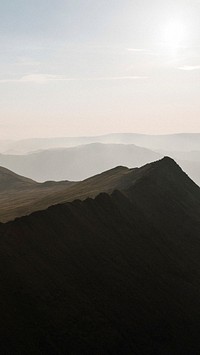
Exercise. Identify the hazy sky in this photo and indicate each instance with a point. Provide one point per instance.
(87, 67)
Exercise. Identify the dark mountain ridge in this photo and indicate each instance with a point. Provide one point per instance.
(118, 274)
(43, 195)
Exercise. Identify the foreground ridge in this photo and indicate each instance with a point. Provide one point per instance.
(117, 274)
(20, 196)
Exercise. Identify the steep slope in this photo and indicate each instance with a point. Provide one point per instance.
(189, 161)
(115, 275)
(192, 168)
(77, 163)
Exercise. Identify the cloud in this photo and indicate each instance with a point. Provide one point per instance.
(189, 67)
(34, 78)
(46, 78)
(136, 77)
(40, 78)
(136, 50)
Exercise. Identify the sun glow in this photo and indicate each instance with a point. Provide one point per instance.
(175, 34)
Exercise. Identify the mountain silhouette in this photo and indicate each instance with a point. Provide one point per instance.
(117, 274)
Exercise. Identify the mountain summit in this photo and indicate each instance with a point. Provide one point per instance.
(117, 274)
(26, 196)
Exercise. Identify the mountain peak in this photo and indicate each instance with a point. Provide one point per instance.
(138, 247)
(166, 164)
(167, 161)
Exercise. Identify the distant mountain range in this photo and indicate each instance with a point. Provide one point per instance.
(80, 162)
(117, 274)
(77, 163)
(169, 142)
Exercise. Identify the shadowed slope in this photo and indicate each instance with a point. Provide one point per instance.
(115, 275)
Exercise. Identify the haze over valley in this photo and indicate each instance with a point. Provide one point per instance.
(81, 157)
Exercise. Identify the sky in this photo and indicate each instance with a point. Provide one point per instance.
(88, 67)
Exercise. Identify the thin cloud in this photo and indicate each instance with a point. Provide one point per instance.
(40, 78)
(189, 67)
(136, 50)
(35, 78)
(46, 78)
(136, 77)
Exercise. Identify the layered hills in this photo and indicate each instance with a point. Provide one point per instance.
(117, 274)
(77, 163)
(80, 162)
(167, 142)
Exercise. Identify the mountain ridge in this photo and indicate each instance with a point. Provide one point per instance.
(105, 275)
(116, 178)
